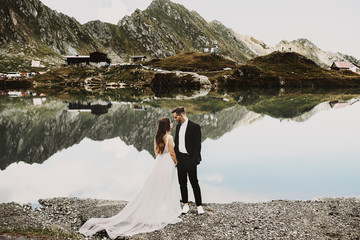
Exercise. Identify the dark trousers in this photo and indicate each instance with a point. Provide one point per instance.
(186, 167)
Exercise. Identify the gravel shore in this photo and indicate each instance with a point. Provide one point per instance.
(60, 218)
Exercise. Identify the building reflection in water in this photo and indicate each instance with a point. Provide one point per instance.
(96, 109)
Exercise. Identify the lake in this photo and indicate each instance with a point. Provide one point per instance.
(256, 146)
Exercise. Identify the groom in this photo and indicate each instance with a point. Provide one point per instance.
(187, 149)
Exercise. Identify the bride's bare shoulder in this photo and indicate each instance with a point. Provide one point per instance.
(169, 137)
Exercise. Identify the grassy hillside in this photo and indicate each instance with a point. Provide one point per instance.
(287, 69)
(293, 65)
(192, 61)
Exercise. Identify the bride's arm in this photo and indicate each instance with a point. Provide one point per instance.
(155, 150)
(171, 150)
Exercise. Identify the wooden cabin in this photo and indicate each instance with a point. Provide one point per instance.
(95, 57)
(78, 60)
(343, 66)
(98, 57)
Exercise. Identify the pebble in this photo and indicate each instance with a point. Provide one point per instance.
(326, 218)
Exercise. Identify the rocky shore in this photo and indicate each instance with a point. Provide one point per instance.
(60, 218)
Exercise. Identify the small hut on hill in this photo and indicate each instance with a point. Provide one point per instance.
(343, 66)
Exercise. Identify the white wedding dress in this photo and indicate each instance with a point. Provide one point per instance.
(156, 205)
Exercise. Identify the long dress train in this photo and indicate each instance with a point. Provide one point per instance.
(156, 205)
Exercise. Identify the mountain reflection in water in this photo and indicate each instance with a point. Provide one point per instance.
(254, 147)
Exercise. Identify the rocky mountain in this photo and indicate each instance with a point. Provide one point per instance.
(166, 28)
(310, 50)
(30, 30)
(303, 46)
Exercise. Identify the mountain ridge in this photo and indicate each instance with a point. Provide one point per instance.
(32, 31)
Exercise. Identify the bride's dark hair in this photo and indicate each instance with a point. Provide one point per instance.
(163, 127)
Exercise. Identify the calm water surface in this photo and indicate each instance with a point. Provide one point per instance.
(48, 150)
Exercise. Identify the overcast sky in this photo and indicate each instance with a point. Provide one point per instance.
(329, 24)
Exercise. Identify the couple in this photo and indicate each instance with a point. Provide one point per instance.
(157, 203)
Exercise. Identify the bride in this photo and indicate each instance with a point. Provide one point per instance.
(156, 205)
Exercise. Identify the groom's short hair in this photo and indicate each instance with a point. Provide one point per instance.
(179, 110)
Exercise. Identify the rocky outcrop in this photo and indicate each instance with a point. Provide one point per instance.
(111, 40)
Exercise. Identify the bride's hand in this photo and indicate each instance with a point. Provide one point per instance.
(176, 162)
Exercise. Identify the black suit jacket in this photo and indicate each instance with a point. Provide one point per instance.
(192, 141)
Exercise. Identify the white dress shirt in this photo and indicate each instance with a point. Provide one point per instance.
(182, 132)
